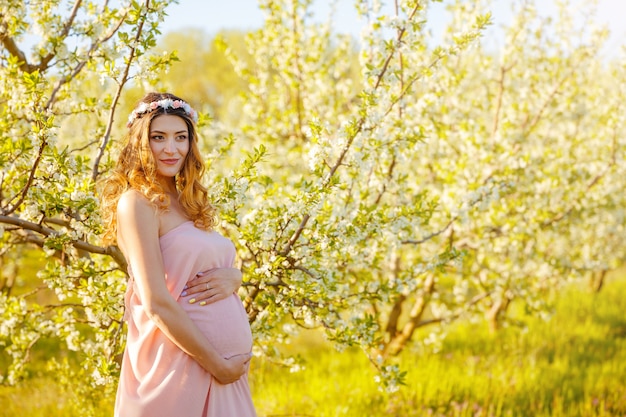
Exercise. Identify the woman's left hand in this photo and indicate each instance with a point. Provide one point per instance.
(212, 285)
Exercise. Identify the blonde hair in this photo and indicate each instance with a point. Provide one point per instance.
(136, 170)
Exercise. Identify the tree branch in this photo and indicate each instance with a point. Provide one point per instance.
(496, 116)
(43, 65)
(356, 131)
(430, 236)
(118, 93)
(595, 180)
(10, 45)
(112, 251)
(14, 50)
(398, 39)
(64, 80)
(31, 177)
(529, 125)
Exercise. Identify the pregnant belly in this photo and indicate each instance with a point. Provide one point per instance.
(224, 323)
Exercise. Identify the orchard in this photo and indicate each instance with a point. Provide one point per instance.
(381, 189)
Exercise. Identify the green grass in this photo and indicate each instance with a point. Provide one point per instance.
(572, 365)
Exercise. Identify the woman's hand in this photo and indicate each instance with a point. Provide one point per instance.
(232, 368)
(212, 285)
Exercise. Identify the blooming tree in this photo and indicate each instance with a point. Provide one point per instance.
(444, 183)
(51, 53)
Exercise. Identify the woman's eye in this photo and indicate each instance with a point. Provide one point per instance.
(156, 137)
(182, 137)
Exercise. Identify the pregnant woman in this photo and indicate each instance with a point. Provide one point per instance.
(184, 356)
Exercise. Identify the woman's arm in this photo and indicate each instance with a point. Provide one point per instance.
(138, 226)
(212, 285)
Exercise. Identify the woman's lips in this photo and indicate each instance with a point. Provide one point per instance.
(169, 161)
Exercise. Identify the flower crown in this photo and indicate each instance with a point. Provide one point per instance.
(166, 103)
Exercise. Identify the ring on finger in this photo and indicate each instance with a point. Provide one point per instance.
(207, 286)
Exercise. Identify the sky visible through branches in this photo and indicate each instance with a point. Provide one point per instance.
(213, 16)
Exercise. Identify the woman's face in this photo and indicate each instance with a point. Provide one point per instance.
(169, 142)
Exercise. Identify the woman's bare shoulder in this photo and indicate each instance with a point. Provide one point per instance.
(132, 203)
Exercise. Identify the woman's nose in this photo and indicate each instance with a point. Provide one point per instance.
(169, 146)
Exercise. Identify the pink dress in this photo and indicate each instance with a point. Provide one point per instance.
(157, 378)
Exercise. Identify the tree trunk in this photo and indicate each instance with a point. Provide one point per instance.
(596, 280)
(496, 312)
(398, 341)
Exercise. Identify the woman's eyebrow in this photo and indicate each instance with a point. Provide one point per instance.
(159, 131)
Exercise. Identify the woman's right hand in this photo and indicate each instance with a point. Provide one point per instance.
(233, 368)
(213, 285)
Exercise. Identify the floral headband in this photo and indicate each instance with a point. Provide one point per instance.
(165, 104)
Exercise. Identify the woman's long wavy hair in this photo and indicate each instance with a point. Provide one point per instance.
(136, 169)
